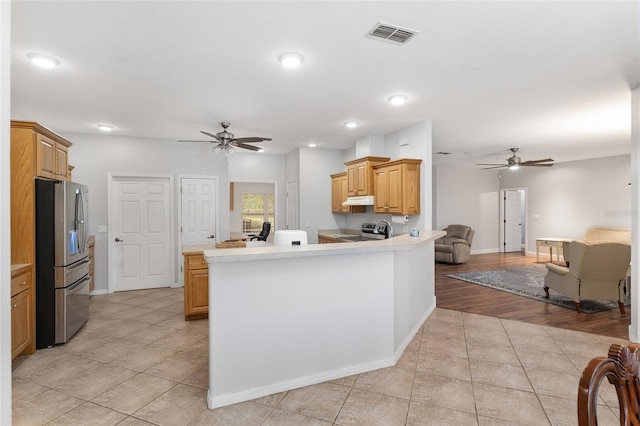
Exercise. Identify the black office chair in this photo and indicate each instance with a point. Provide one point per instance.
(262, 236)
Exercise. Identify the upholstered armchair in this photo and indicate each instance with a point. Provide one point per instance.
(455, 247)
(597, 272)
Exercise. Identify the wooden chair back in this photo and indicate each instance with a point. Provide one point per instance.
(621, 368)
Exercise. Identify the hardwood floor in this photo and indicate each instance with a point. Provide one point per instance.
(466, 297)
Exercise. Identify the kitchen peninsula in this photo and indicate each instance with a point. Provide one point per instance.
(286, 317)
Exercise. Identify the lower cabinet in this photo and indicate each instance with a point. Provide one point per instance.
(22, 314)
(196, 287)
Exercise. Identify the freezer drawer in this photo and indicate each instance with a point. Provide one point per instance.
(67, 275)
(72, 309)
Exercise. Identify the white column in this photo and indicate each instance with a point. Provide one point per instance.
(5, 213)
(634, 328)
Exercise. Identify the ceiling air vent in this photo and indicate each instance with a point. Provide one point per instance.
(391, 33)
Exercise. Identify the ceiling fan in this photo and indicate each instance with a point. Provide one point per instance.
(227, 142)
(514, 162)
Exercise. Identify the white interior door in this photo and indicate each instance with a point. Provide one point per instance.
(512, 224)
(292, 205)
(198, 210)
(141, 232)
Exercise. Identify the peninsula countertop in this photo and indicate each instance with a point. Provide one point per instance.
(400, 242)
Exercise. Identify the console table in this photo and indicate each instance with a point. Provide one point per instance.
(551, 243)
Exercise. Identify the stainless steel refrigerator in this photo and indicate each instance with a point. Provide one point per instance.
(62, 261)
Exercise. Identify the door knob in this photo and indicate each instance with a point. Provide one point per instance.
(211, 236)
(118, 240)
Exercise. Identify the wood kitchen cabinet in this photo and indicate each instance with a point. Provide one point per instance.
(52, 157)
(397, 187)
(196, 287)
(339, 189)
(22, 309)
(360, 175)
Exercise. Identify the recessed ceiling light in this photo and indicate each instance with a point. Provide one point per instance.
(397, 99)
(43, 61)
(105, 127)
(312, 144)
(351, 124)
(290, 60)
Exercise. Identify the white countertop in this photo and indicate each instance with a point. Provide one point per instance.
(401, 242)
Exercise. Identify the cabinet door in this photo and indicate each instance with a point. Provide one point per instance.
(362, 183)
(336, 195)
(197, 292)
(20, 322)
(62, 162)
(395, 190)
(381, 198)
(352, 181)
(46, 157)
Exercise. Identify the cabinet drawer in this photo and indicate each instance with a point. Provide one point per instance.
(20, 283)
(196, 262)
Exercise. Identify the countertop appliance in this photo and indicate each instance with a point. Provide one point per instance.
(290, 237)
(62, 261)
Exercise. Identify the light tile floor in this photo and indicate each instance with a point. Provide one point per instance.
(137, 362)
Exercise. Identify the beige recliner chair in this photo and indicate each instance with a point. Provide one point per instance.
(455, 247)
(597, 272)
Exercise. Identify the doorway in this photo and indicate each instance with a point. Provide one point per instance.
(513, 220)
(251, 204)
(140, 232)
(292, 205)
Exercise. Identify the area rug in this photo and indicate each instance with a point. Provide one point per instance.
(528, 282)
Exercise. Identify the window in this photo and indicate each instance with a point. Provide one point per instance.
(256, 209)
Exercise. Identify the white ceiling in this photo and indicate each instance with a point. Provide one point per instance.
(552, 78)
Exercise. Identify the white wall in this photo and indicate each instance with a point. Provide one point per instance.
(314, 187)
(468, 196)
(566, 199)
(634, 328)
(5, 213)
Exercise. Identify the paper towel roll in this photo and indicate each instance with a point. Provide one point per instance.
(400, 219)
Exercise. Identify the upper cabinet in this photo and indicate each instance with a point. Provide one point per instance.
(360, 175)
(48, 149)
(339, 190)
(52, 157)
(397, 187)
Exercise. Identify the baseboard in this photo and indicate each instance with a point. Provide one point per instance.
(485, 251)
(99, 292)
(233, 398)
(398, 353)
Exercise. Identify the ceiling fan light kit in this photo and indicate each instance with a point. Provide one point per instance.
(227, 142)
(514, 162)
(351, 124)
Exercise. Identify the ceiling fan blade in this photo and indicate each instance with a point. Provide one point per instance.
(245, 146)
(495, 167)
(251, 139)
(193, 141)
(209, 134)
(490, 164)
(546, 160)
(527, 164)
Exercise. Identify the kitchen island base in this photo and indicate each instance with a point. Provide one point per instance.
(283, 318)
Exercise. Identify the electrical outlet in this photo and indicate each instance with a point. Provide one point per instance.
(102, 229)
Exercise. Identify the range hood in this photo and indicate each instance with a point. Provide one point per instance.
(363, 200)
